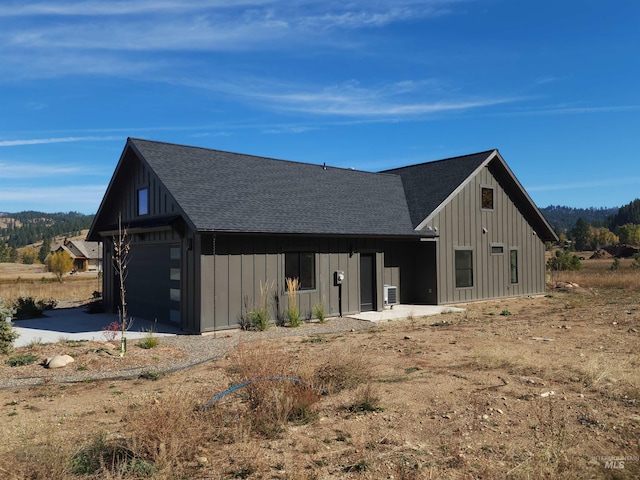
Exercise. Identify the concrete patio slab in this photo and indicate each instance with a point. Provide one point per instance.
(404, 311)
(77, 324)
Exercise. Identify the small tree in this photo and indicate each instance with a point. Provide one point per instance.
(121, 247)
(7, 332)
(29, 256)
(44, 250)
(60, 263)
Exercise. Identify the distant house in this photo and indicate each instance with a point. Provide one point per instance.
(208, 228)
(87, 256)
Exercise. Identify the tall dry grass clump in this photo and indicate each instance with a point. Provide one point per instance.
(293, 313)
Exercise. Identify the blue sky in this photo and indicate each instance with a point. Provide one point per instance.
(369, 84)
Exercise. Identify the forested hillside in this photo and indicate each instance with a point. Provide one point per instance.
(563, 219)
(24, 228)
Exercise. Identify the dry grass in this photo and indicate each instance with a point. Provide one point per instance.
(597, 274)
(404, 400)
(17, 280)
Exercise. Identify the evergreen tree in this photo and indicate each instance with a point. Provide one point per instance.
(581, 233)
(45, 249)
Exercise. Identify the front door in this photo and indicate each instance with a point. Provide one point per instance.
(367, 282)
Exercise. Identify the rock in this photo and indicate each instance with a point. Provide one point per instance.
(58, 361)
(547, 394)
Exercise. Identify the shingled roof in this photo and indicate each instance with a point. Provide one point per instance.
(230, 192)
(428, 185)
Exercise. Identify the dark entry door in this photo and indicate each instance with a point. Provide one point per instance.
(367, 283)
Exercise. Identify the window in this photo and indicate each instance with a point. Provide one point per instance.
(497, 249)
(487, 198)
(301, 265)
(513, 260)
(464, 268)
(143, 201)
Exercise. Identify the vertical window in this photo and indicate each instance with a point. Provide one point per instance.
(464, 268)
(301, 265)
(143, 201)
(513, 260)
(487, 198)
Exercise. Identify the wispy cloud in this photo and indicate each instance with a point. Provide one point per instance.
(31, 170)
(43, 141)
(566, 110)
(351, 99)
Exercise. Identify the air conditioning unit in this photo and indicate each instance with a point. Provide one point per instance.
(390, 295)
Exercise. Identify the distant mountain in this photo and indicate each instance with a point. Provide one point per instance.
(563, 219)
(24, 228)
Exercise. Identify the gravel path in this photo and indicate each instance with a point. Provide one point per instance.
(197, 349)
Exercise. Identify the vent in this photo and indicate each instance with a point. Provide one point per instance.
(390, 295)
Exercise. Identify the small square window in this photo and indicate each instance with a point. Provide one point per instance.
(301, 265)
(487, 198)
(143, 201)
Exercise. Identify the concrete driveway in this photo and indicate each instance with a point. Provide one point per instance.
(77, 324)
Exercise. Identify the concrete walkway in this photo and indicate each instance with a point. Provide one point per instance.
(77, 324)
(404, 311)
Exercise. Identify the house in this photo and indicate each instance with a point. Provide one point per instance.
(209, 228)
(87, 256)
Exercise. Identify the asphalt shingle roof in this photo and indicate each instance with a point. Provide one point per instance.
(230, 192)
(429, 184)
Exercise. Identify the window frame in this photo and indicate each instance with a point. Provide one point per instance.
(483, 189)
(513, 250)
(143, 202)
(457, 268)
(310, 273)
(497, 246)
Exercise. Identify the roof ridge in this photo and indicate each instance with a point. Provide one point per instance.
(261, 157)
(440, 160)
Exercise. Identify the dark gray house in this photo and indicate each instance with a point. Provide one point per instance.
(208, 228)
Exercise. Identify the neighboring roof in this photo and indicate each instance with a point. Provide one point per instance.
(80, 249)
(429, 186)
(230, 192)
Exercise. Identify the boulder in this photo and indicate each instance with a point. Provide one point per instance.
(58, 361)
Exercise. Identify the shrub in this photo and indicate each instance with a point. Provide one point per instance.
(26, 307)
(20, 360)
(149, 340)
(636, 261)
(7, 332)
(564, 260)
(318, 312)
(111, 331)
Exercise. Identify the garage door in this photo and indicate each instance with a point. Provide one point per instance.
(153, 283)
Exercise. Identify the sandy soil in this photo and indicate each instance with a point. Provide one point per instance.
(545, 387)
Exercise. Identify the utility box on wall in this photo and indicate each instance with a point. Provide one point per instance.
(338, 277)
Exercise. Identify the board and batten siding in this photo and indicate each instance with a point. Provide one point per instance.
(460, 224)
(232, 269)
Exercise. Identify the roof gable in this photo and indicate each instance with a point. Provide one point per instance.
(430, 186)
(230, 192)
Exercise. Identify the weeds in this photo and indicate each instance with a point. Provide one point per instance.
(22, 359)
(149, 341)
(318, 312)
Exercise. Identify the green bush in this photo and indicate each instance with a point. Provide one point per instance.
(564, 260)
(318, 312)
(22, 359)
(28, 307)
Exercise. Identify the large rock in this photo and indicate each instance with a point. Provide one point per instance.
(58, 361)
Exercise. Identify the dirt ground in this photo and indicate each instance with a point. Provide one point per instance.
(544, 387)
